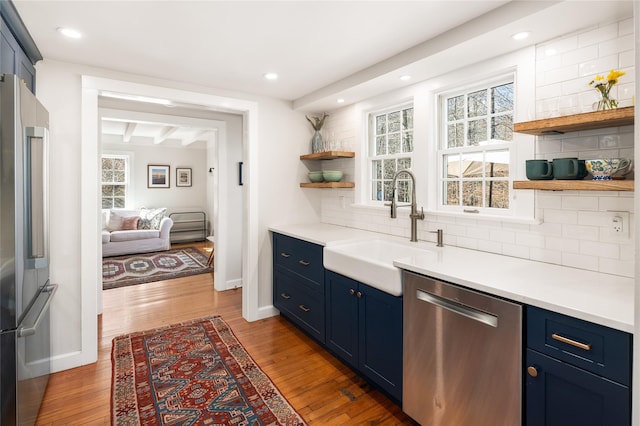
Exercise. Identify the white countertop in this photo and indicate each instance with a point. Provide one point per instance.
(601, 298)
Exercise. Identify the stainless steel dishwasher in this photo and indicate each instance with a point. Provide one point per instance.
(462, 355)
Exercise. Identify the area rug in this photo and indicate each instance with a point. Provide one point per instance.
(193, 373)
(143, 268)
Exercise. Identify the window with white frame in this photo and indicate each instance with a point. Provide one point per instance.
(115, 181)
(475, 149)
(390, 150)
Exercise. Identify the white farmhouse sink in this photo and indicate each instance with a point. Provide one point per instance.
(371, 261)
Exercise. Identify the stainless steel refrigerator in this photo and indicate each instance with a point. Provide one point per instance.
(25, 290)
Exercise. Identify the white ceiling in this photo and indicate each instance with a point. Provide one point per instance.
(321, 50)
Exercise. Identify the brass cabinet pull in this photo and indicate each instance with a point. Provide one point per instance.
(283, 254)
(533, 372)
(304, 308)
(559, 338)
(303, 262)
(285, 296)
(359, 294)
(352, 291)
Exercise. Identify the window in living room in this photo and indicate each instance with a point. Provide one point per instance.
(115, 180)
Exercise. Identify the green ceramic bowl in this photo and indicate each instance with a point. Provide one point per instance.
(332, 175)
(315, 176)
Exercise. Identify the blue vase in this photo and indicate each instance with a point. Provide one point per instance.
(316, 142)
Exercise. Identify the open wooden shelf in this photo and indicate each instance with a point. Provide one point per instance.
(327, 185)
(328, 155)
(575, 185)
(573, 123)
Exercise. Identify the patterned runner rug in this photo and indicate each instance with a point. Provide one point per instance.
(194, 373)
(147, 267)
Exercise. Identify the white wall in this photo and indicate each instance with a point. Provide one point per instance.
(282, 137)
(574, 230)
(173, 197)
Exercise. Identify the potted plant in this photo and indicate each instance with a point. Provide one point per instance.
(316, 140)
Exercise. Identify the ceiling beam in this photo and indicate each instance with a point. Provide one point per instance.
(164, 135)
(198, 136)
(131, 127)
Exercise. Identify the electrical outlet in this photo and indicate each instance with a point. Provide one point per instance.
(617, 225)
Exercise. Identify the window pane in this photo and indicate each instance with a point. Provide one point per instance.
(502, 127)
(107, 190)
(452, 166)
(377, 169)
(389, 168)
(497, 194)
(107, 163)
(455, 108)
(407, 141)
(119, 164)
(472, 194)
(107, 176)
(455, 136)
(477, 132)
(376, 191)
(107, 203)
(388, 191)
(403, 191)
(381, 124)
(472, 165)
(477, 103)
(118, 202)
(394, 121)
(497, 164)
(394, 143)
(452, 194)
(407, 119)
(404, 163)
(502, 98)
(118, 176)
(381, 145)
(118, 190)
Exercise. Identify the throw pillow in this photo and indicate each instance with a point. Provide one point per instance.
(115, 221)
(129, 223)
(150, 218)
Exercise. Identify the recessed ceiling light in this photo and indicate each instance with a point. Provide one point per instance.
(405, 77)
(340, 100)
(70, 32)
(521, 35)
(271, 76)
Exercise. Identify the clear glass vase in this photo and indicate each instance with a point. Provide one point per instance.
(605, 103)
(316, 142)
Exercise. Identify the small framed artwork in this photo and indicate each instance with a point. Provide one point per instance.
(158, 176)
(183, 176)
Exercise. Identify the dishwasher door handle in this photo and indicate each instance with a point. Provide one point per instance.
(458, 308)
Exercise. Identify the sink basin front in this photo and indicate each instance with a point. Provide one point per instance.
(371, 261)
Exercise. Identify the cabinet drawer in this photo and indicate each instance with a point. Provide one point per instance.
(593, 347)
(301, 305)
(299, 256)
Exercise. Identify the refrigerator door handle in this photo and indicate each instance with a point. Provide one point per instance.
(30, 330)
(36, 140)
(458, 308)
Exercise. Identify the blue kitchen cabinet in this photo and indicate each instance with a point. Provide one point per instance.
(298, 284)
(18, 52)
(364, 329)
(577, 372)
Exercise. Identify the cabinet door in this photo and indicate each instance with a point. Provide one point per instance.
(342, 317)
(13, 60)
(564, 395)
(380, 339)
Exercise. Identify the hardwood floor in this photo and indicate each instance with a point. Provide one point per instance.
(320, 388)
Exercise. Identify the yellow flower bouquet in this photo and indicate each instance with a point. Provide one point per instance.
(604, 86)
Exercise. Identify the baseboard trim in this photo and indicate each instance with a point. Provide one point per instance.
(231, 284)
(66, 361)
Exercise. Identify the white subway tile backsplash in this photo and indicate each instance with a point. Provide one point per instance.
(575, 224)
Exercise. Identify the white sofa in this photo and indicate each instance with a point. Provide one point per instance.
(117, 241)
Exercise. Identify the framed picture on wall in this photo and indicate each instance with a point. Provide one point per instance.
(183, 176)
(158, 176)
